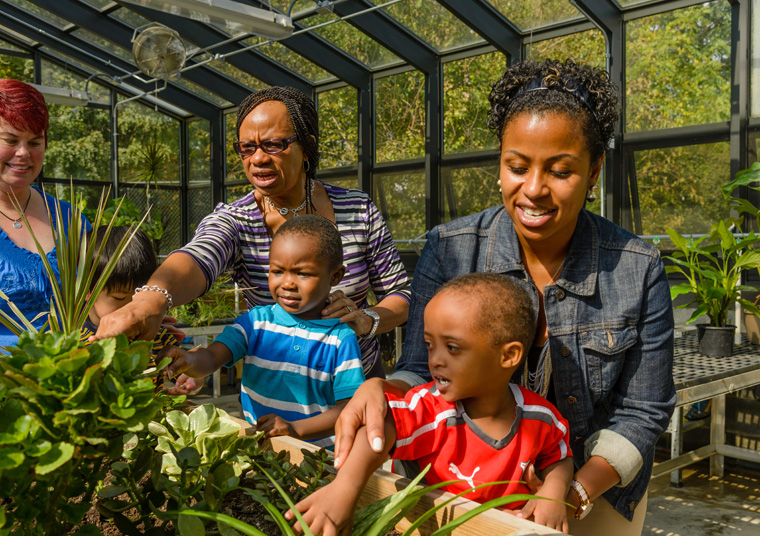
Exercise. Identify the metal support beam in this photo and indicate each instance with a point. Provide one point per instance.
(433, 145)
(608, 17)
(218, 158)
(489, 23)
(388, 33)
(366, 152)
(119, 33)
(741, 26)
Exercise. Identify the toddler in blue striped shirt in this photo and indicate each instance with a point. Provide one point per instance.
(298, 369)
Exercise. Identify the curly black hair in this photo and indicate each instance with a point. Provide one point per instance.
(321, 230)
(303, 115)
(506, 310)
(563, 82)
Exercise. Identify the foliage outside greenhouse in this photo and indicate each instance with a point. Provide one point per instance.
(678, 67)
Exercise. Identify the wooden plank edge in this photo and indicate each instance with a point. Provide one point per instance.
(382, 484)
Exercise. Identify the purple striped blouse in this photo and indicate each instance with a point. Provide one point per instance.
(234, 238)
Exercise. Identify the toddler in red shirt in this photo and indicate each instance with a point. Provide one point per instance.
(469, 423)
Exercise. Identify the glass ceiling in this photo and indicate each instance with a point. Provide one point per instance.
(344, 41)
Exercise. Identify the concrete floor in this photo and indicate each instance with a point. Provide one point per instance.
(703, 506)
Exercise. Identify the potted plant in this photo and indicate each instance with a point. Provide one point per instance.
(749, 178)
(713, 265)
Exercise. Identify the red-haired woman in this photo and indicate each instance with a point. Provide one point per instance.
(23, 140)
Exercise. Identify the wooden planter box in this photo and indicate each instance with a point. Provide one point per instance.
(382, 484)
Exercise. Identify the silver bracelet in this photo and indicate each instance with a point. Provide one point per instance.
(156, 288)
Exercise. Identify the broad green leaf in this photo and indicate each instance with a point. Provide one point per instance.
(191, 526)
(54, 458)
(109, 492)
(10, 458)
(241, 526)
(202, 418)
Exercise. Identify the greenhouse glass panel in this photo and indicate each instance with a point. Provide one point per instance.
(401, 200)
(466, 85)
(338, 128)
(90, 194)
(10, 46)
(588, 47)
(42, 13)
(532, 14)
(678, 68)
(350, 181)
(99, 4)
(199, 155)
(18, 68)
(240, 76)
(79, 144)
(426, 19)
(468, 190)
(400, 117)
(235, 192)
(680, 187)
(98, 41)
(164, 213)
(234, 167)
(291, 60)
(754, 63)
(56, 75)
(202, 92)
(199, 201)
(148, 145)
(129, 17)
(354, 42)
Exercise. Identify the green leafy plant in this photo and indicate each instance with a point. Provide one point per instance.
(64, 411)
(124, 212)
(216, 304)
(713, 266)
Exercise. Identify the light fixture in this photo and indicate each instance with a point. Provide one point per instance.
(231, 15)
(57, 95)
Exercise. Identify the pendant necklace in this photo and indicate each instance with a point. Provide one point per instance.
(538, 380)
(284, 210)
(17, 222)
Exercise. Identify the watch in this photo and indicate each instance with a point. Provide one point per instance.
(375, 321)
(585, 504)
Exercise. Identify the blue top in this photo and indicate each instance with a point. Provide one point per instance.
(24, 279)
(292, 367)
(610, 322)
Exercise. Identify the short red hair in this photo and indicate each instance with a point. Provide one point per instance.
(23, 107)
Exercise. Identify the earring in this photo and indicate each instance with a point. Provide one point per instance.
(591, 195)
(306, 165)
(499, 183)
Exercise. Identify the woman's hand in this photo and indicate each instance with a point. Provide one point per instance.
(345, 309)
(366, 408)
(138, 320)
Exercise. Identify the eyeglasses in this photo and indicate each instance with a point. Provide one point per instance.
(278, 145)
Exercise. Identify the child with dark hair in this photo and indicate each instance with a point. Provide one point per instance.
(133, 269)
(471, 424)
(298, 369)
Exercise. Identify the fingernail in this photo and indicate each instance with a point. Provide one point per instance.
(336, 462)
(377, 444)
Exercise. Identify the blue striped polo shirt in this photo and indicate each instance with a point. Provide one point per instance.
(292, 367)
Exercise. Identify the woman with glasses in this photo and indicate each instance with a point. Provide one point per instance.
(278, 137)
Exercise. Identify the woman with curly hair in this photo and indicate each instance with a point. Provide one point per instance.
(603, 349)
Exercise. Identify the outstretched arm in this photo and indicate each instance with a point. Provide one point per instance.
(321, 425)
(330, 509)
(196, 363)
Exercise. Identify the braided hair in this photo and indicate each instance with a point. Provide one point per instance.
(303, 116)
(582, 92)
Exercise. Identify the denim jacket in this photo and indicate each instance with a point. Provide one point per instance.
(610, 324)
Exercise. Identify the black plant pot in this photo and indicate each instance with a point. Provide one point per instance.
(715, 342)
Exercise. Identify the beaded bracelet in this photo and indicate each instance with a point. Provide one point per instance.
(156, 288)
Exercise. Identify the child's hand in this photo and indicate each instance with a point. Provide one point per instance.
(179, 362)
(551, 514)
(185, 385)
(274, 425)
(327, 511)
